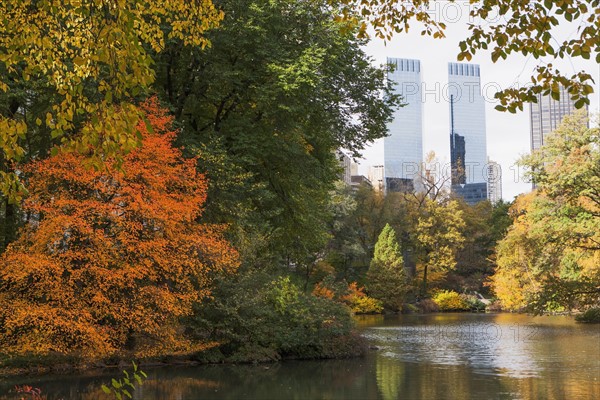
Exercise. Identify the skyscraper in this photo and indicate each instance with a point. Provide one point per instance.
(468, 153)
(403, 148)
(494, 181)
(547, 114)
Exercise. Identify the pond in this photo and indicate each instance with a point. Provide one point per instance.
(436, 356)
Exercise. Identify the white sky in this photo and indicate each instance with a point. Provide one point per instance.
(508, 135)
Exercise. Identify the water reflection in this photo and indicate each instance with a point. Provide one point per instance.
(449, 356)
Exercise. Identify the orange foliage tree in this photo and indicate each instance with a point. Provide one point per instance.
(111, 260)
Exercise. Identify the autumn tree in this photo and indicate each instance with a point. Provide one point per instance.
(503, 28)
(110, 259)
(88, 59)
(550, 258)
(386, 278)
(439, 235)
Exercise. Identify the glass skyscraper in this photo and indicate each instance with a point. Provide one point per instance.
(468, 152)
(547, 114)
(403, 148)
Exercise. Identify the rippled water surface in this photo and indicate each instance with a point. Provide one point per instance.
(441, 356)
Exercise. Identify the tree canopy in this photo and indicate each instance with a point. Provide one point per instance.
(281, 88)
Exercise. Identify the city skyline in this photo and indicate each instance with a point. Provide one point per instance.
(508, 135)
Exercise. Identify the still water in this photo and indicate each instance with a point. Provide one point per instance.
(440, 356)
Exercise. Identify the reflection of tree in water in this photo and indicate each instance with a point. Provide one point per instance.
(342, 379)
(390, 375)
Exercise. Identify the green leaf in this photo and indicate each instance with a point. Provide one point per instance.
(580, 103)
(106, 389)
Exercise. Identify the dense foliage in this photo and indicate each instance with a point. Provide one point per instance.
(86, 59)
(109, 260)
(265, 107)
(258, 317)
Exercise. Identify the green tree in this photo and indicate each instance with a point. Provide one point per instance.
(525, 27)
(344, 250)
(386, 278)
(551, 254)
(282, 86)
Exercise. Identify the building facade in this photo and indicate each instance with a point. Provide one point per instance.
(547, 114)
(377, 177)
(346, 165)
(468, 147)
(403, 147)
(360, 180)
(494, 182)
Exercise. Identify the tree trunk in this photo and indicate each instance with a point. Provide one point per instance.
(424, 284)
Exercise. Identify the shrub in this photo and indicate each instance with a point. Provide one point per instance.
(448, 300)
(360, 303)
(258, 318)
(473, 303)
(591, 316)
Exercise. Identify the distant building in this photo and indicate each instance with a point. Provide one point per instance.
(468, 152)
(346, 164)
(494, 182)
(358, 180)
(353, 169)
(403, 148)
(547, 114)
(376, 176)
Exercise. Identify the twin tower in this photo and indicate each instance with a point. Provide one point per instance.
(403, 148)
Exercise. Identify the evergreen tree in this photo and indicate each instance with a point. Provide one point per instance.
(386, 279)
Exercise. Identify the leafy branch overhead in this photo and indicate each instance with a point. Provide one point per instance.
(91, 55)
(502, 27)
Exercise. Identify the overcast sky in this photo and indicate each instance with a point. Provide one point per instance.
(508, 135)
